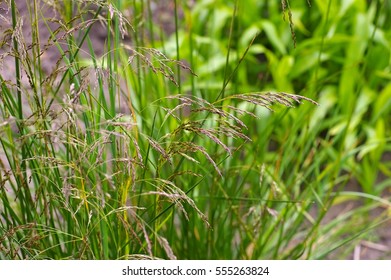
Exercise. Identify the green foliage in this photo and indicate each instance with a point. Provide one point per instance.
(183, 144)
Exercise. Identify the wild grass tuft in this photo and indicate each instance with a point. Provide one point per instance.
(140, 144)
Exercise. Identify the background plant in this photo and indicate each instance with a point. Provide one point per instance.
(161, 144)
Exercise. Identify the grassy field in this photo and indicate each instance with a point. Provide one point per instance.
(195, 129)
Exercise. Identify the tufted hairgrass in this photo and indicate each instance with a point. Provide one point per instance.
(185, 145)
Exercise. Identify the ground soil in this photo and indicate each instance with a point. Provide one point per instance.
(377, 243)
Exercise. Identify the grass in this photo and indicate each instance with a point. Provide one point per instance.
(184, 144)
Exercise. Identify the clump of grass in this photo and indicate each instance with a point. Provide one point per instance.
(80, 180)
(126, 154)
